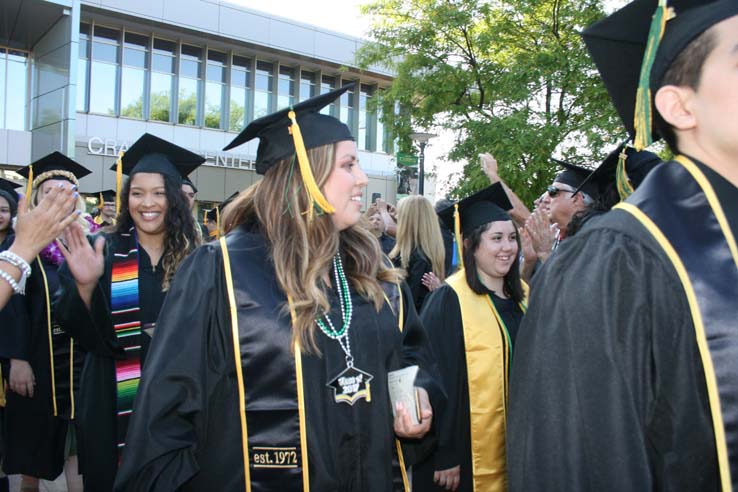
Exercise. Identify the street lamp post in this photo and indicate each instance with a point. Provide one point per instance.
(421, 138)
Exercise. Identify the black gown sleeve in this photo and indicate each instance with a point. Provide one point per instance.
(416, 268)
(441, 316)
(605, 373)
(170, 411)
(15, 331)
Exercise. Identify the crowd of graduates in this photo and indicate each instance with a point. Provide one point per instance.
(588, 344)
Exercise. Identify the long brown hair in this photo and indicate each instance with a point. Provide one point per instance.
(418, 228)
(303, 250)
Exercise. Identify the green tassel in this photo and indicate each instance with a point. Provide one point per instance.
(621, 177)
(642, 118)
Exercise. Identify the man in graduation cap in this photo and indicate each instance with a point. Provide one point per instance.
(626, 370)
(111, 293)
(212, 218)
(281, 382)
(106, 208)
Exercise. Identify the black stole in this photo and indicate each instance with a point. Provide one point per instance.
(678, 206)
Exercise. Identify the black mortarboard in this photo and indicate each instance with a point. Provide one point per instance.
(292, 131)
(9, 186)
(187, 181)
(55, 165)
(151, 154)
(488, 205)
(575, 176)
(619, 42)
(638, 165)
(105, 196)
(214, 214)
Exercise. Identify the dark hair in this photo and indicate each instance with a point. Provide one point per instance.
(12, 202)
(180, 234)
(512, 285)
(685, 71)
(604, 202)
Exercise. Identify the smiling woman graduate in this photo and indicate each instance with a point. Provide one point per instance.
(110, 297)
(293, 323)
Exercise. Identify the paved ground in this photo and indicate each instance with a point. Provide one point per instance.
(58, 485)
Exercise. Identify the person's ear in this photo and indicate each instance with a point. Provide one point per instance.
(674, 104)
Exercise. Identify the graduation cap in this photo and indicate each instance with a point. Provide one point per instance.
(188, 182)
(292, 131)
(634, 47)
(488, 205)
(105, 196)
(213, 215)
(151, 154)
(9, 187)
(639, 164)
(576, 177)
(55, 165)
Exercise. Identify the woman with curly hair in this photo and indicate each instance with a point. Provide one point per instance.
(45, 362)
(110, 298)
(294, 322)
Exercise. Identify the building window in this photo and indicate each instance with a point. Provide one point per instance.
(286, 87)
(240, 106)
(162, 80)
(215, 88)
(133, 76)
(83, 64)
(104, 72)
(263, 89)
(189, 84)
(366, 119)
(348, 108)
(13, 88)
(327, 84)
(308, 88)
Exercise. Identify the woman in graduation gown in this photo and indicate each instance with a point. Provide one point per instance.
(45, 362)
(472, 322)
(294, 323)
(109, 301)
(419, 248)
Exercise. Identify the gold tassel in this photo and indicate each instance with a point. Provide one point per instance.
(642, 118)
(217, 222)
(29, 186)
(311, 187)
(118, 181)
(621, 177)
(457, 233)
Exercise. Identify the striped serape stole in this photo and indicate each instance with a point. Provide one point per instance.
(127, 325)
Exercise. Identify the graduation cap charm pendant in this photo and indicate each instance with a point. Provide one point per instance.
(351, 385)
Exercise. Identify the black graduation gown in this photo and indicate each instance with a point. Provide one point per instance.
(441, 317)
(185, 434)
(607, 389)
(96, 409)
(35, 437)
(387, 243)
(416, 268)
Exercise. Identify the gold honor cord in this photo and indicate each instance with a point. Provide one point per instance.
(71, 377)
(48, 330)
(239, 369)
(301, 414)
(118, 181)
(311, 187)
(699, 328)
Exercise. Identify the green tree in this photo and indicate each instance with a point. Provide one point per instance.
(510, 77)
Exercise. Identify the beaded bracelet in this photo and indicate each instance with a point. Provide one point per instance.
(8, 278)
(20, 264)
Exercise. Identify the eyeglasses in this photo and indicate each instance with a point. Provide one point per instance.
(553, 191)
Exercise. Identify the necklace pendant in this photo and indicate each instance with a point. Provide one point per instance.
(351, 385)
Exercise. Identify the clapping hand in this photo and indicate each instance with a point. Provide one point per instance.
(85, 263)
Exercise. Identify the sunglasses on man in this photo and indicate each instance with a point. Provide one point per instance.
(553, 191)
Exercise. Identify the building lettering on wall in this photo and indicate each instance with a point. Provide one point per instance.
(111, 147)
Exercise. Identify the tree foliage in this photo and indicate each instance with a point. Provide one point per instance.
(510, 77)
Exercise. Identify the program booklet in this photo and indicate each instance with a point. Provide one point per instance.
(401, 384)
